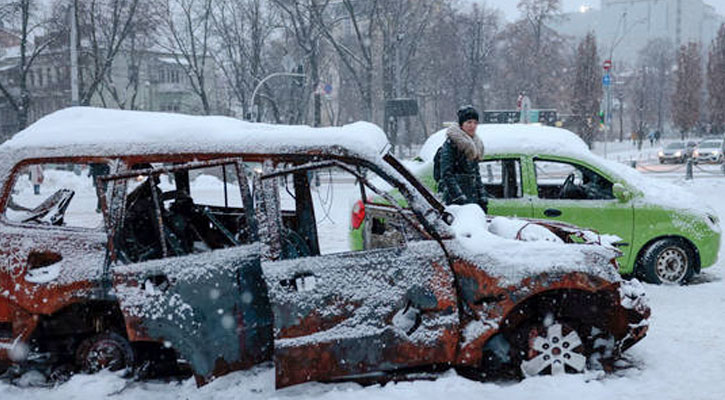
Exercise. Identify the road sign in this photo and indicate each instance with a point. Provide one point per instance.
(607, 65)
(607, 80)
(327, 89)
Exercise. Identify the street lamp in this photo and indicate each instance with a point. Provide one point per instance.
(259, 85)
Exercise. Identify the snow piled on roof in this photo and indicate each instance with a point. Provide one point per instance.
(536, 140)
(138, 132)
(515, 138)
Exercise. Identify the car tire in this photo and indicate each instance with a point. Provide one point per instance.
(668, 261)
(107, 350)
(549, 346)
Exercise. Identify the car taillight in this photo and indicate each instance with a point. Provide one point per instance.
(358, 214)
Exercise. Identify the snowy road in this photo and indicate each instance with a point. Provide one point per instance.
(683, 357)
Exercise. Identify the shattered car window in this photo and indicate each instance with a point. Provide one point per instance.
(179, 211)
(315, 206)
(57, 195)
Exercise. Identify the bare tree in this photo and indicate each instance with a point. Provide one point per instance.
(532, 57)
(26, 17)
(356, 49)
(480, 27)
(104, 25)
(716, 81)
(587, 89)
(242, 29)
(688, 88)
(135, 47)
(186, 34)
(300, 16)
(657, 57)
(642, 106)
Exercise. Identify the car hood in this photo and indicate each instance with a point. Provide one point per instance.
(513, 260)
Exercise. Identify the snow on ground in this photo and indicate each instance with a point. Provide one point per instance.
(682, 357)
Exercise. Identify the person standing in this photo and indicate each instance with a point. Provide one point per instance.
(460, 178)
(36, 177)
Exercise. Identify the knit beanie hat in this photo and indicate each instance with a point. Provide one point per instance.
(465, 113)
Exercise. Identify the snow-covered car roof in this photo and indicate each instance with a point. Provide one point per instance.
(97, 131)
(515, 138)
(535, 140)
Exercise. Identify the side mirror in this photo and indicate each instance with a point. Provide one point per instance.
(622, 193)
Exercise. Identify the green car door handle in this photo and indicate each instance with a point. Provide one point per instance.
(552, 212)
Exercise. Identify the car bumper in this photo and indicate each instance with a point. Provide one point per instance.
(710, 158)
(636, 308)
(671, 158)
(709, 248)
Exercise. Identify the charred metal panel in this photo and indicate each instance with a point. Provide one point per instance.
(212, 308)
(496, 305)
(352, 313)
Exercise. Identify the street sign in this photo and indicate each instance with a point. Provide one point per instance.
(607, 65)
(607, 80)
(401, 107)
(327, 89)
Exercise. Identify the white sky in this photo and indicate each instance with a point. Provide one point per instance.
(511, 12)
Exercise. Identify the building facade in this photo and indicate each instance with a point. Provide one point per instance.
(623, 27)
(142, 80)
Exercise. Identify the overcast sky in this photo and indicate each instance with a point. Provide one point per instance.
(509, 6)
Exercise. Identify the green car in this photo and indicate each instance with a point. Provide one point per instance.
(666, 234)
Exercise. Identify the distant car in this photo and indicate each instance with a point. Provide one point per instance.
(709, 151)
(667, 234)
(676, 152)
(212, 245)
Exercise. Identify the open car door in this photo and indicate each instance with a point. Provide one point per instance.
(342, 314)
(195, 284)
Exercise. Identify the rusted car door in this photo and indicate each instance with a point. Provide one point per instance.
(48, 261)
(211, 306)
(353, 314)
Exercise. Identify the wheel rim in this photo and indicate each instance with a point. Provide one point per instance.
(554, 351)
(671, 265)
(105, 353)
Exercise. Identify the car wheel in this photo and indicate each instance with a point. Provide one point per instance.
(105, 351)
(549, 347)
(667, 261)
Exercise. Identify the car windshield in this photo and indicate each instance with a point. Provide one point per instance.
(675, 145)
(714, 144)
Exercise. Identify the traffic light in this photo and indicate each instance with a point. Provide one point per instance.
(601, 118)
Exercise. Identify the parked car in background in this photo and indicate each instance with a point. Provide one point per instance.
(676, 152)
(186, 259)
(667, 234)
(709, 151)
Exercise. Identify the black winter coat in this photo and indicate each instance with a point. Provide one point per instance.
(460, 178)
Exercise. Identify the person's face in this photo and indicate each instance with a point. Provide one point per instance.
(470, 127)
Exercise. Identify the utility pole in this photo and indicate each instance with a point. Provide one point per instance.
(74, 101)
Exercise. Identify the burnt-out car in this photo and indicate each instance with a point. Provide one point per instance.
(158, 237)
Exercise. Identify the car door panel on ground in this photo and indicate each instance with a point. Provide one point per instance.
(587, 201)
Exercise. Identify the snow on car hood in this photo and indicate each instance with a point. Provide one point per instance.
(544, 140)
(514, 260)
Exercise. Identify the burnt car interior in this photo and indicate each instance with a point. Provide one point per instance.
(167, 213)
(305, 204)
(561, 180)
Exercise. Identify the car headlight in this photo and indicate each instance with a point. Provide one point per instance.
(696, 153)
(678, 153)
(661, 153)
(715, 152)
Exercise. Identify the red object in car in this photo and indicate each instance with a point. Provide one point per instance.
(358, 214)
